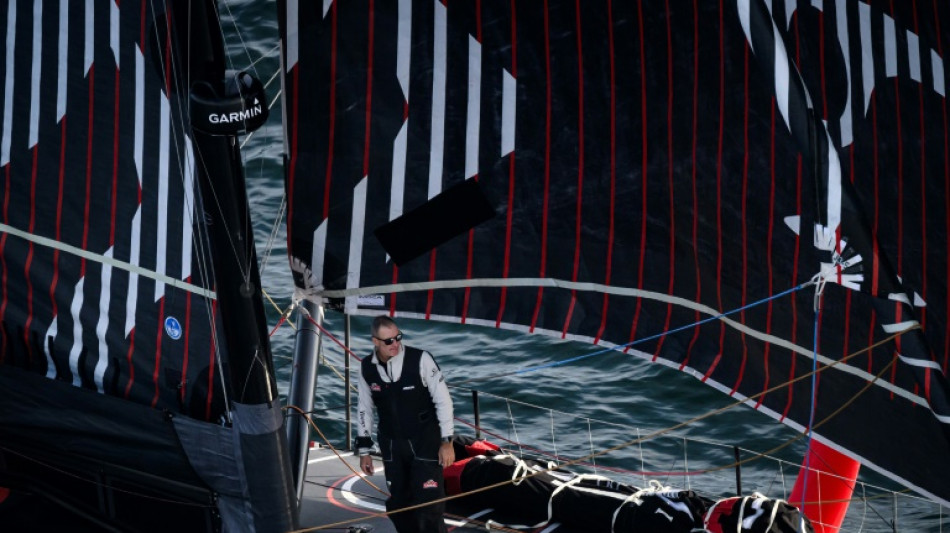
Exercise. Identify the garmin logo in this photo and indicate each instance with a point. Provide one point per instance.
(235, 116)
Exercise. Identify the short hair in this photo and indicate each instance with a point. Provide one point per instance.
(382, 321)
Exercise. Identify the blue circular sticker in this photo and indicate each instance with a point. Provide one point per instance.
(173, 328)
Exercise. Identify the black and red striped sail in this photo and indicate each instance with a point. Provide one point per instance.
(111, 344)
(104, 285)
(647, 165)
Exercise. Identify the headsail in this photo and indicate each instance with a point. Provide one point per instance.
(110, 336)
(645, 174)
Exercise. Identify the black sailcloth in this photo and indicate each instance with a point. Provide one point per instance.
(648, 167)
(112, 363)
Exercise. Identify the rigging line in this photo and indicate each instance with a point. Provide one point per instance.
(204, 240)
(812, 399)
(269, 107)
(835, 413)
(240, 36)
(332, 448)
(275, 229)
(111, 261)
(642, 340)
(204, 247)
(277, 308)
(650, 436)
(736, 403)
(334, 339)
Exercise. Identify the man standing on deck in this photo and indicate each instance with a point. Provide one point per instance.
(407, 388)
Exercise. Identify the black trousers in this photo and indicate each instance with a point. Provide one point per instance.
(414, 476)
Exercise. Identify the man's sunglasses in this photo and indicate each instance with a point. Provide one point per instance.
(389, 341)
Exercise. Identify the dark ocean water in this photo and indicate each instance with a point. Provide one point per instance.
(571, 411)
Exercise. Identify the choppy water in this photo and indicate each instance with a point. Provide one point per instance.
(592, 405)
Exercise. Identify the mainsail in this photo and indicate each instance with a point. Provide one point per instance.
(677, 180)
(112, 344)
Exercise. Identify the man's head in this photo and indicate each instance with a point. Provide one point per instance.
(386, 337)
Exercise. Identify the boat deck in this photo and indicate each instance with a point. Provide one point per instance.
(337, 499)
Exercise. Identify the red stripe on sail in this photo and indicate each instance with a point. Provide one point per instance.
(183, 385)
(798, 240)
(332, 116)
(768, 255)
(898, 309)
(613, 168)
(946, 197)
(369, 89)
(722, 116)
(59, 218)
(115, 159)
(643, 173)
(143, 11)
(211, 366)
(470, 251)
(89, 131)
(745, 227)
(580, 165)
(431, 292)
(29, 260)
(158, 349)
(669, 176)
(922, 311)
(846, 347)
(547, 162)
(511, 173)
(698, 293)
(128, 358)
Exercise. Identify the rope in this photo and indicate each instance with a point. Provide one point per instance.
(655, 434)
(623, 347)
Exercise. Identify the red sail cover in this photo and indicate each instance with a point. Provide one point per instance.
(650, 165)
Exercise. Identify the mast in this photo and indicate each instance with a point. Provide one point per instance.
(303, 382)
(256, 412)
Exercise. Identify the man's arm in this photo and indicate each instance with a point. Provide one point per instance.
(364, 426)
(433, 379)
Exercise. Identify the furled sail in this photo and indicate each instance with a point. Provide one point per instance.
(111, 343)
(623, 173)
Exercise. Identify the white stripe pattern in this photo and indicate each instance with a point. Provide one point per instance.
(89, 41)
(357, 225)
(102, 327)
(439, 66)
(62, 60)
(508, 111)
(37, 69)
(162, 228)
(74, 352)
(474, 106)
(8, 86)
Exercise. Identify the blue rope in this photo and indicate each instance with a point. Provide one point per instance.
(811, 416)
(658, 335)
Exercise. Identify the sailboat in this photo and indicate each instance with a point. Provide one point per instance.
(750, 192)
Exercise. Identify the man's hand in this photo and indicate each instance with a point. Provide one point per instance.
(366, 465)
(446, 454)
